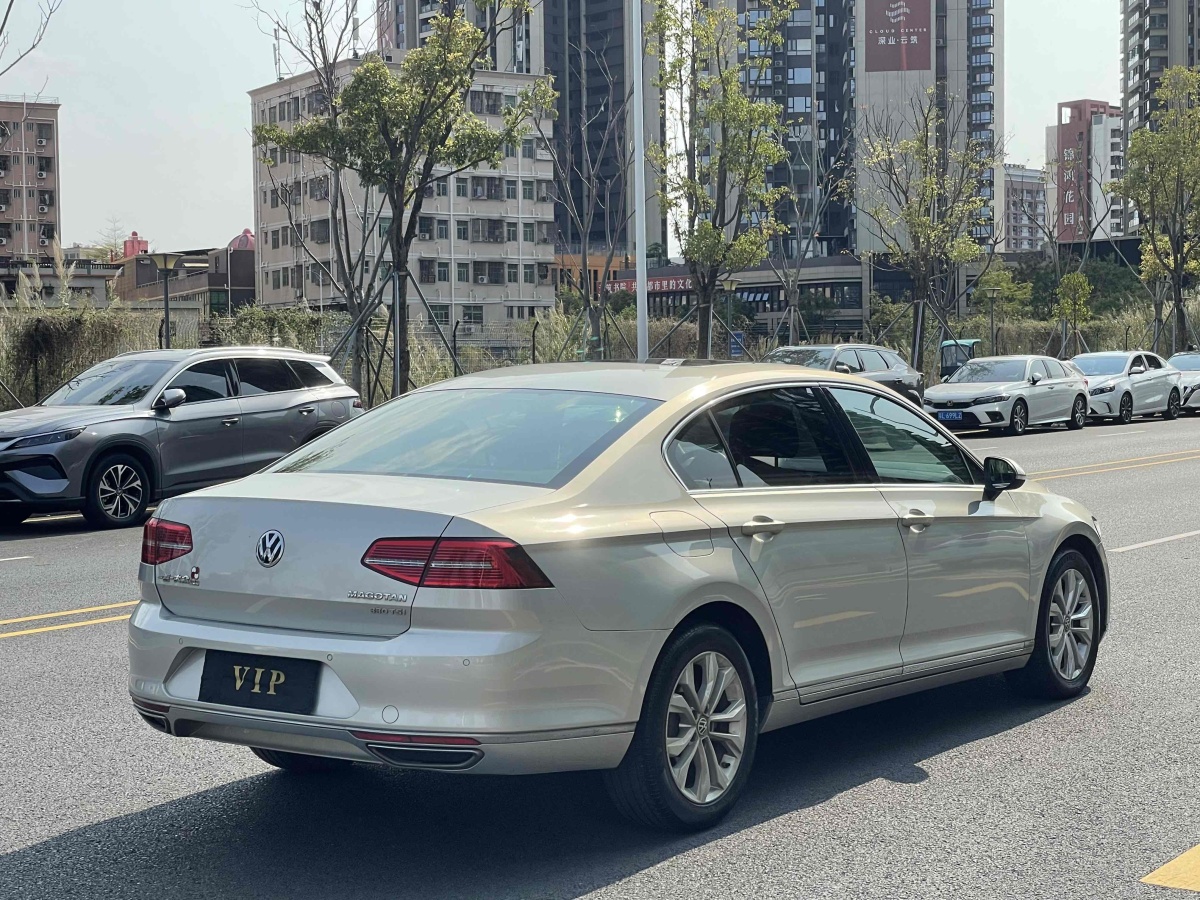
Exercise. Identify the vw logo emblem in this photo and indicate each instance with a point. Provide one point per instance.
(270, 549)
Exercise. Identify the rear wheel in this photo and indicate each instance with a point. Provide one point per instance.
(12, 514)
(300, 763)
(1126, 410)
(694, 744)
(1018, 421)
(1172, 410)
(117, 492)
(1079, 413)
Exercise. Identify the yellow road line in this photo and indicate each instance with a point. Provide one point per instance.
(1181, 872)
(69, 612)
(8, 634)
(1113, 462)
(1147, 465)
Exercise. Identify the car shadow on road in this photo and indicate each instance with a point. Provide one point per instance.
(374, 832)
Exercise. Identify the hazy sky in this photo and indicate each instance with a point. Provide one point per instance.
(155, 117)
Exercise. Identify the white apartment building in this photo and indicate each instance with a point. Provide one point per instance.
(1025, 197)
(486, 235)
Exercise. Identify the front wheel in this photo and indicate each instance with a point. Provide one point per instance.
(1172, 410)
(300, 763)
(117, 492)
(1018, 421)
(1068, 631)
(694, 744)
(1126, 414)
(1078, 414)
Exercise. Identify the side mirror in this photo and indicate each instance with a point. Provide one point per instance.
(1035, 377)
(1138, 370)
(1000, 475)
(170, 398)
(843, 368)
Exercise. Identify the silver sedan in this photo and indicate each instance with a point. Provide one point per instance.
(1124, 384)
(635, 568)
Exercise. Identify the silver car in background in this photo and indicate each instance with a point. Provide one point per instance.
(147, 425)
(1123, 384)
(628, 567)
(1188, 364)
(1010, 393)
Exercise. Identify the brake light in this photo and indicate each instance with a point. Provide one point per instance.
(163, 541)
(466, 563)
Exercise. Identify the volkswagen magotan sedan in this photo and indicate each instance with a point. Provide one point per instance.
(635, 568)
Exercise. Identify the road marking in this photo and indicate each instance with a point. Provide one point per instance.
(1113, 462)
(1147, 465)
(1123, 433)
(15, 558)
(989, 447)
(69, 612)
(8, 634)
(1182, 872)
(1163, 540)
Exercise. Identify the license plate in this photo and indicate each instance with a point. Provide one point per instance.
(949, 416)
(260, 682)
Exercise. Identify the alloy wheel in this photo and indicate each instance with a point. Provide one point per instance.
(120, 491)
(1020, 419)
(706, 727)
(1070, 629)
(1126, 409)
(1080, 412)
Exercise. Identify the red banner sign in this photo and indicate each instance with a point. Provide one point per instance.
(899, 35)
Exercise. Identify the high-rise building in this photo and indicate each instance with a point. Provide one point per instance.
(1156, 35)
(29, 192)
(1085, 153)
(1025, 216)
(905, 48)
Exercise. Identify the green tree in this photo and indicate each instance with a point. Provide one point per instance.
(402, 131)
(1074, 292)
(1163, 180)
(719, 140)
(1013, 298)
(918, 189)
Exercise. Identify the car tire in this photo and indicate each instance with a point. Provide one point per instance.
(1172, 410)
(1126, 409)
(12, 515)
(645, 787)
(1069, 595)
(1079, 413)
(118, 491)
(1018, 419)
(300, 763)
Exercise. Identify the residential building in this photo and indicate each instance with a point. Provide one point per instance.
(953, 47)
(1155, 35)
(89, 280)
(1085, 153)
(485, 236)
(1025, 213)
(208, 282)
(30, 207)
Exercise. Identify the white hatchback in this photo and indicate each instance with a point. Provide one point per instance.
(1123, 384)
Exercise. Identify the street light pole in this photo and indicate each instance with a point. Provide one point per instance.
(165, 263)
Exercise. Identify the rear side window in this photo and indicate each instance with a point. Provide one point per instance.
(1153, 361)
(1040, 368)
(203, 381)
(893, 359)
(783, 438)
(872, 361)
(698, 457)
(1057, 369)
(310, 376)
(265, 376)
(848, 358)
(516, 436)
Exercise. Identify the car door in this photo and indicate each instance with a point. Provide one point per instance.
(200, 441)
(1040, 396)
(1158, 377)
(1066, 389)
(1141, 385)
(968, 558)
(276, 412)
(875, 367)
(823, 543)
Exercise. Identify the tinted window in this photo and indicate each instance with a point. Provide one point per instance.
(987, 370)
(1101, 365)
(872, 361)
(698, 456)
(1153, 361)
(112, 383)
(1186, 362)
(848, 358)
(903, 446)
(893, 358)
(1137, 361)
(265, 376)
(1039, 368)
(537, 437)
(310, 376)
(203, 381)
(1057, 369)
(783, 437)
(812, 357)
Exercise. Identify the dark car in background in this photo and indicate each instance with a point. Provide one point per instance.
(879, 364)
(148, 425)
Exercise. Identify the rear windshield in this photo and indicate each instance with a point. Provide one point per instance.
(812, 357)
(1101, 365)
(989, 370)
(535, 437)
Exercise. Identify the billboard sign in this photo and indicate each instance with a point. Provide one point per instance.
(899, 35)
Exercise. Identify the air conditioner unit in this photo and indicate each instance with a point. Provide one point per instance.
(467, 329)
(424, 237)
(3, 172)
(43, 209)
(43, 242)
(41, 142)
(3, 207)
(482, 279)
(3, 241)
(41, 174)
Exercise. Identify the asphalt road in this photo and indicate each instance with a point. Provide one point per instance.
(961, 792)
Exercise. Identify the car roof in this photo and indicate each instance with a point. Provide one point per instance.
(181, 355)
(834, 347)
(1110, 353)
(656, 380)
(1024, 357)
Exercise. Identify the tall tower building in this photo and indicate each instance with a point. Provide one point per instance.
(1085, 153)
(1156, 35)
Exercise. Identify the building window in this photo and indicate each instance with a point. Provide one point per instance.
(275, 280)
(464, 271)
(425, 227)
(527, 227)
(462, 229)
(427, 272)
(510, 151)
(527, 190)
(472, 314)
(440, 313)
(285, 236)
(510, 229)
(443, 229)
(514, 273)
(443, 271)
(275, 239)
(529, 273)
(461, 186)
(319, 230)
(510, 189)
(284, 276)
(528, 149)
(443, 187)
(274, 198)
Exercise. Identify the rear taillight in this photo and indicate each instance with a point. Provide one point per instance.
(455, 563)
(163, 541)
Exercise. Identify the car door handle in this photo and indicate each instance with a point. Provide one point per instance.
(916, 520)
(762, 525)
(306, 410)
(232, 420)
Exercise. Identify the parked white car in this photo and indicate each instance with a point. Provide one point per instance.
(1010, 392)
(1123, 384)
(1188, 364)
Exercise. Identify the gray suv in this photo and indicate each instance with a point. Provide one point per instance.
(143, 426)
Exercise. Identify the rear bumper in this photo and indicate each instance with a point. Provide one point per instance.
(556, 699)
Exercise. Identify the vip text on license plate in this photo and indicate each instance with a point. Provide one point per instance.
(948, 416)
(260, 682)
